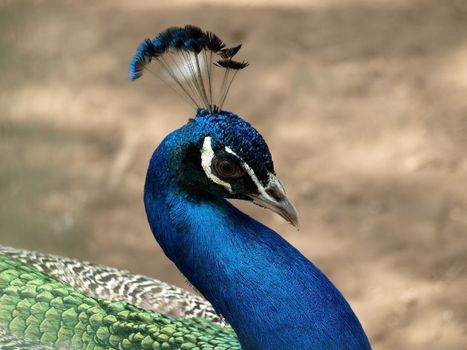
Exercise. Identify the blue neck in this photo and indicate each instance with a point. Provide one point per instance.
(273, 297)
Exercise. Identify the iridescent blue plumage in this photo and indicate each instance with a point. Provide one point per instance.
(270, 293)
(189, 38)
(245, 141)
(273, 296)
(143, 57)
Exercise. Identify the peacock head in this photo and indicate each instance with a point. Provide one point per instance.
(230, 158)
(221, 155)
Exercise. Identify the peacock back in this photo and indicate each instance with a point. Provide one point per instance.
(37, 311)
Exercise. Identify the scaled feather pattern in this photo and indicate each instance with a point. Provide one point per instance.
(38, 310)
(107, 282)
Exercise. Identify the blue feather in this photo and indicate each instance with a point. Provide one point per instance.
(143, 56)
(273, 297)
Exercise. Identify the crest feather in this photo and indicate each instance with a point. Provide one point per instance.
(195, 63)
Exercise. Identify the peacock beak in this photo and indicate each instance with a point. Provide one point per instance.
(273, 197)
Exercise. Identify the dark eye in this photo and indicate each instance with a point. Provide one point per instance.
(226, 168)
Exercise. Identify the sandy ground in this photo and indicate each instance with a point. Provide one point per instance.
(363, 104)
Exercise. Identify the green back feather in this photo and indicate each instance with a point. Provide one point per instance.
(40, 309)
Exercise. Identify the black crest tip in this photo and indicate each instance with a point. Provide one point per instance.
(229, 52)
(230, 64)
(214, 43)
(194, 32)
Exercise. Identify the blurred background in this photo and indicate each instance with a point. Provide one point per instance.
(363, 104)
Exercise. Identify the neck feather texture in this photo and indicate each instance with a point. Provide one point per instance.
(273, 297)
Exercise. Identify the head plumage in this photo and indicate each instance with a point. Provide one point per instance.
(195, 63)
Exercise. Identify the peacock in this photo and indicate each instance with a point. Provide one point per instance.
(260, 292)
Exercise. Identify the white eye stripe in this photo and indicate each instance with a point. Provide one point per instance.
(250, 173)
(207, 155)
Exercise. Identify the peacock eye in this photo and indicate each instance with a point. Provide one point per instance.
(226, 168)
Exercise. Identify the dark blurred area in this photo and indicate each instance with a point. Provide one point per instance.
(363, 104)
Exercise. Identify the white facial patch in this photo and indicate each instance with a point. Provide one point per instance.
(251, 173)
(207, 154)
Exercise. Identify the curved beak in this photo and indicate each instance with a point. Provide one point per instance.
(273, 197)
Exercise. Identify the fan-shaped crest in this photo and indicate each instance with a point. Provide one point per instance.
(196, 64)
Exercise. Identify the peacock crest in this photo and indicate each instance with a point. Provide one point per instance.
(196, 64)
